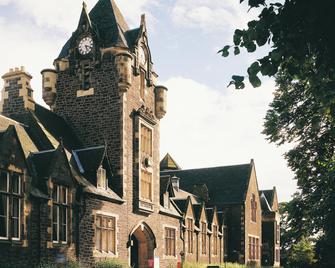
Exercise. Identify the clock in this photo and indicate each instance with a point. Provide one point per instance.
(85, 45)
(142, 56)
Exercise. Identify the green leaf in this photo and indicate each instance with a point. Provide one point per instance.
(225, 51)
(236, 50)
(275, 55)
(237, 37)
(255, 81)
(237, 81)
(238, 78)
(254, 69)
(251, 47)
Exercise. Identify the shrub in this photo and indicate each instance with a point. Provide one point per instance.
(58, 265)
(112, 263)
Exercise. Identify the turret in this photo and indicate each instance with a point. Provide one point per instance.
(49, 80)
(161, 101)
(17, 94)
(123, 60)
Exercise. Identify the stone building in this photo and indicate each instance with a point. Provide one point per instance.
(83, 180)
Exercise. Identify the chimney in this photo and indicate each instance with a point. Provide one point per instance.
(175, 183)
(17, 94)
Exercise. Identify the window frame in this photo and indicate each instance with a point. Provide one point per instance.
(108, 230)
(190, 235)
(203, 238)
(143, 169)
(58, 205)
(254, 248)
(253, 204)
(170, 241)
(215, 239)
(10, 194)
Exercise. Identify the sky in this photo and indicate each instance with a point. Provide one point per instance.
(207, 123)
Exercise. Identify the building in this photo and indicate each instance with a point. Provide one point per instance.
(83, 180)
(270, 227)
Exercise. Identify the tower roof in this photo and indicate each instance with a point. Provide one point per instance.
(168, 163)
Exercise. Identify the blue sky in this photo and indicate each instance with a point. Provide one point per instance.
(207, 124)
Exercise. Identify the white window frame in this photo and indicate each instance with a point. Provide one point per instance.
(19, 214)
(7, 209)
(59, 224)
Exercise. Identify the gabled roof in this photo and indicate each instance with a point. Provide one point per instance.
(27, 144)
(269, 194)
(168, 163)
(264, 202)
(226, 185)
(47, 129)
(88, 161)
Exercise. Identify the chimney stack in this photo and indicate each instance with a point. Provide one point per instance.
(17, 94)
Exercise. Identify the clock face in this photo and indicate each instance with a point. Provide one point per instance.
(142, 57)
(85, 45)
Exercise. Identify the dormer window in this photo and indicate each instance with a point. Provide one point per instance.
(102, 182)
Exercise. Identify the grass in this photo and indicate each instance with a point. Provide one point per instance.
(222, 265)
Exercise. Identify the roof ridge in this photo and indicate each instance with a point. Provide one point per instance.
(171, 171)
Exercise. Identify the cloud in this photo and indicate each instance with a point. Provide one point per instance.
(63, 15)
(211, 15)
(205, 127)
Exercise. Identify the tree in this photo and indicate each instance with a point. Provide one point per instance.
(302, 60)
(302, 254)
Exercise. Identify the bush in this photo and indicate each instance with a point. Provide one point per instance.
(57, 265)
(112, 263)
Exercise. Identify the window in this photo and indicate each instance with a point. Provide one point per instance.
(253, 208)
(277, 233)
(215, 240)
(146, 185)
(59, 213)
(253, 248)
(10, 205)
(105, 234)
(203, 237)
(190, 231)
(146, 140)
(142, 85)
(170, 242)
(277, 255)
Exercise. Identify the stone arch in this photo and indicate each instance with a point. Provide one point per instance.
(142, 246)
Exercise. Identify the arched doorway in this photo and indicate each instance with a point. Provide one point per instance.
(142, 246)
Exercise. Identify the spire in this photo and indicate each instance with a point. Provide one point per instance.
(84, 20)
(111, 24)
(168, 163)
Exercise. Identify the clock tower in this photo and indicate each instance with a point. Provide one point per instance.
(104, 85)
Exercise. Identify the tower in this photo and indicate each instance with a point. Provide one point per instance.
(106, 89)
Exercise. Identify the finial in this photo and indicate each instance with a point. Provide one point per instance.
(84, 5)
(143, 19)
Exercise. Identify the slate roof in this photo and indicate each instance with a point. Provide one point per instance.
(269, 194)
(46, 129)
(181, 204)
(226, 185)
(264, 202)
(109, 25)
(27, 144)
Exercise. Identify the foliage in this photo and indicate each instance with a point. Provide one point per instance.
(111, 263)
(56, 265)
(302, 59)
(222, 265)
(302, 254)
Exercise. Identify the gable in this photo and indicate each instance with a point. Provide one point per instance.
(11, 150)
